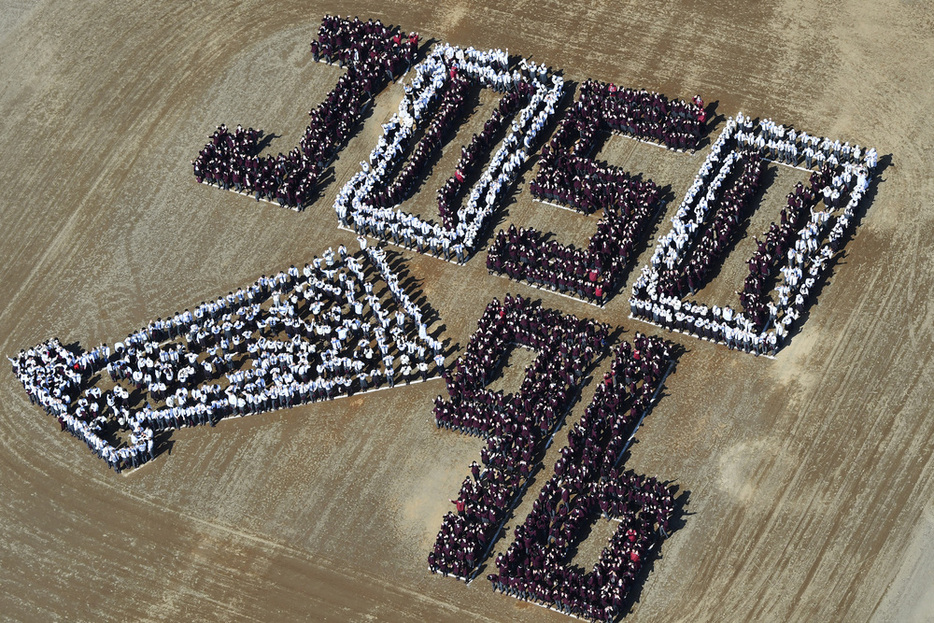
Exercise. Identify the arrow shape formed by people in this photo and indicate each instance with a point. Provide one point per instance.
(299, 336)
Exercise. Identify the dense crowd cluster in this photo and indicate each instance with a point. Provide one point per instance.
(516, 426)
(367, 203)
(373, 54)
(326, 330)
(727, 212)
(587, 484)
(592, 273)
(646, 115)
(808, 240)
(569, 175)
(298, 336)
(534, 567)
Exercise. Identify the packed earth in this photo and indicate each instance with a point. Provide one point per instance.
(604, 312)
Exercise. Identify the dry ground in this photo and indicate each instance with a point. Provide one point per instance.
(809, 478)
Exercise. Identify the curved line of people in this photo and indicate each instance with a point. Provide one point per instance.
(355, 206)
(807, 257)
(450, 102)
(374, 55)
(516, 426)
(289, 339)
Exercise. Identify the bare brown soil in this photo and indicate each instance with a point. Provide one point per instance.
(809, 478)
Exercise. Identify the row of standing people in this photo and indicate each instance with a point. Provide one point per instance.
(780, 243)
(474, 153)
(450, 102)
(726, 217)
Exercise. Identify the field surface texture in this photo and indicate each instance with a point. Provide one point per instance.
(807, 480)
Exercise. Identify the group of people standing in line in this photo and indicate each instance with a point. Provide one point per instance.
(808, 244)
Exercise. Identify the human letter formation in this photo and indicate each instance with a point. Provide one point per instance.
(300, 336)
(373, 55)
(586, 485)
(369, 202)
(794, 254)
(344, 324)
(586, 481)
(569, 175)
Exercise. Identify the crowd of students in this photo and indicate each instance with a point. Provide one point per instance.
(535, 567)
(474, 153)
(592, 273)
(450, 103)
(516, 426)
(296, 337)
(727, 213)
(781, 243)
(365, 204)
(373, 55)
(587, 484)
(56, 379)
(568, 174)
(567, 171)
(808, 240)
(603, 107)
(647, 115)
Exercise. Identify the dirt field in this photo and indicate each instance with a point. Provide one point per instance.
(808, 479)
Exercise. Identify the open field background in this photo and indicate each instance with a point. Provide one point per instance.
(808, 479)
